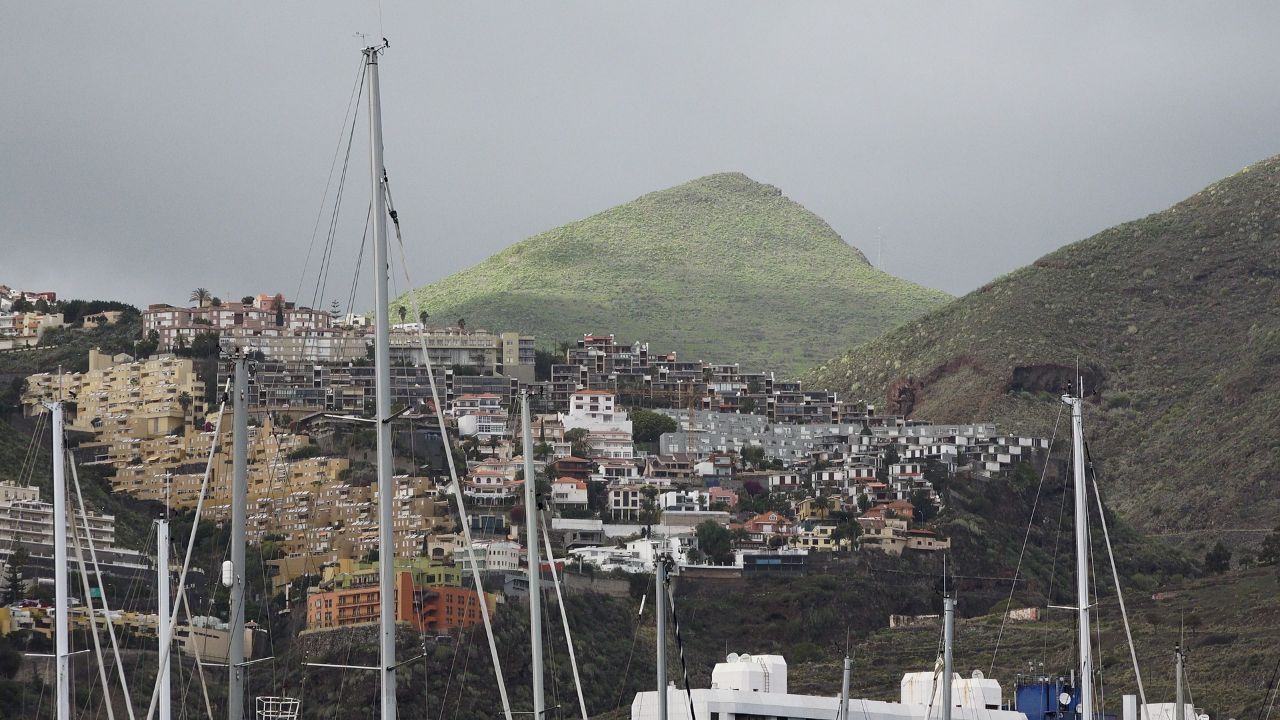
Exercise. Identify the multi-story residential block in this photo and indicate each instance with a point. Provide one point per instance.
(118, 398)
(426, 607)
(489, 556)
(26, 521)
(24, 329)
(271, 325)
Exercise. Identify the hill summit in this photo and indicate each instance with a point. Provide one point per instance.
(721, 268)
(1174, 322)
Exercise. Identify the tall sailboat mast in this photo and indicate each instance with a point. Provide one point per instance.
(239, 498)
(164, 631)
(1082, 553)
(382, 366)
(62, 645)
(535, 565)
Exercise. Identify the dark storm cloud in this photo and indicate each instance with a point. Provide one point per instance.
(148, 148)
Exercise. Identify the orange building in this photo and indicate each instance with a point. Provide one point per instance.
(433, 607)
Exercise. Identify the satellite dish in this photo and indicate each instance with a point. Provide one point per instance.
(1064, 699)
(745, 657)
(733, 657)
(977, 675)
(1202, 717)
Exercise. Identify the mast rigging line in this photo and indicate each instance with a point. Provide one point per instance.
(455, 483)
(675, 629)
(1115, 574)
(564, 615)
(102, 590)
(1004, 620)
(93, 625)
(351, 100)
(191, 541)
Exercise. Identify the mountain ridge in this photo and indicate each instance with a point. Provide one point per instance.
(1172, 318)
(721, 268)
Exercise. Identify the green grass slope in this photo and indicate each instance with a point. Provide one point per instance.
(722, 268)
(1175, 319)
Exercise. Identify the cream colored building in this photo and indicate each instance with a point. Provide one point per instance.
(118, 396)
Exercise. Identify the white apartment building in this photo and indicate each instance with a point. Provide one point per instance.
(497, 555)
(595, 410)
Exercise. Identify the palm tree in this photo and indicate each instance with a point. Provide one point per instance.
(401, 311)
(184, 400)
(201, 296)
(822, 503)
(462, 323)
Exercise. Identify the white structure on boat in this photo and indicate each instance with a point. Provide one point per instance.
(755, 686)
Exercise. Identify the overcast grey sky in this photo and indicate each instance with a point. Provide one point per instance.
(149, 148)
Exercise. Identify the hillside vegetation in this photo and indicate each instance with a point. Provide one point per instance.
(1174, 320)
(722, 268)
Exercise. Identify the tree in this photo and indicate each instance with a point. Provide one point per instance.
(146, 347)
(200, 296)
(22, 305)
(1269, 553)
(577, 439)
(747, 406)
(205, 344)
(925, 509)
(753, 455)
(462, 323)
(402, 311)
(864, 503)
(184, 401)
(650, 513)
(215, 302)
(422, 317)
(715, 541)
(822, 504)
(248, 300)
(1218, 560)
(42, 305)
(648, 426)
(13, 575)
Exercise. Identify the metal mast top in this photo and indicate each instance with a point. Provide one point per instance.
(535, 565)
(382, 366)
(1082, 553)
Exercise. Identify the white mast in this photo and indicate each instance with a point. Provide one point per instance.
(1082, 554)
(239, 497)
(382, 365)
(1180, 710)
(842, 713)
(660, 610)
(535, 565)
(162, 592)
(948, 635)
(62, 650)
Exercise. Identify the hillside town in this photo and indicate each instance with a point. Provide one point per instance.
(637, 453)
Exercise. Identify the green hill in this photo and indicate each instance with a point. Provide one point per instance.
(1175, 322)
(722, 268)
